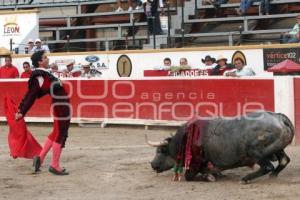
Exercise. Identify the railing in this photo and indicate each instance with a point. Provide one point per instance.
(57, 30)
(9, 4)
(36, 2)
(244, 19)
(198, 4)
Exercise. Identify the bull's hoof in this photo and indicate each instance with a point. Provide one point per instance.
(219, 175)
(209, 178)
(190, 175)
(245, 182)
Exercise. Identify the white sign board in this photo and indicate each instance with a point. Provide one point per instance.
(18, 27)
(107, 63)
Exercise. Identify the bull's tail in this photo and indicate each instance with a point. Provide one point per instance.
(287, 122)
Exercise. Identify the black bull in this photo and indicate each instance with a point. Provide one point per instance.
(256, 138)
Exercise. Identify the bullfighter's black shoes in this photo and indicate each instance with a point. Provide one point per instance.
(37, 164)
(56, 172)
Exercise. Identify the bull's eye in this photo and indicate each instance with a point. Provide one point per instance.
(163, 150)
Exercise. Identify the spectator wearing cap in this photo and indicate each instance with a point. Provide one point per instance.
(27, 71)
(54, 70)
(240, 69)
(70, 72)
(209, 62)
(87, 72)
(9, 70)
(221, 66)
(39, 47)
(293, 36)
(30, 45)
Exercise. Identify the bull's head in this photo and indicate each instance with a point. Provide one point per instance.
(163, 160)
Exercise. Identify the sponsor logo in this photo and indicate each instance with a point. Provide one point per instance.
(95, 60)
(92, 59)
(124, 66)
(11, 27)
(239, 54)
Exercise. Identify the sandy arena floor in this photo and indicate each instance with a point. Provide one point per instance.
(113, 163)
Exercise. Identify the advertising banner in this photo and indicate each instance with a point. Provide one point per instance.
(277, 55)
(139, 65)
(162, 99)
(18, 27)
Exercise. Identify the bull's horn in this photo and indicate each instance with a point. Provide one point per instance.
(154, 144)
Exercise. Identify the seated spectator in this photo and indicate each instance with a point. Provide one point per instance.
(209, 62)
(293, 35)
(38, 46)
(246, 4)
(27, 71)
(183, 64)
(70, 72)
(166, 66)
(87, 72)
(120, 9)
(29, 46)
(215, 3)
(54, 70)
(241, 69)
(9, 70)
(221, 67)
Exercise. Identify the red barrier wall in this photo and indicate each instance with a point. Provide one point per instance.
(297, 108)
(177, 99)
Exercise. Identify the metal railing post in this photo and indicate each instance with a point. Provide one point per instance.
(133, 32)
(182, 22)
(154, 32)
(10, 44)
(230, 39)
(68, 43)
(169, 25)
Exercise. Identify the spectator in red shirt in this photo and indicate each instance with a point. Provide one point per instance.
(8, 70)
(27, 71)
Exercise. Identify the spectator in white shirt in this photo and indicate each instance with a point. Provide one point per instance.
(29, 46)
(293, 35)
(87, 72)
(241, 69)
(166, 66)
(38, 46)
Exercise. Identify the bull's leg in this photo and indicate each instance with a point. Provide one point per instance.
(265, 167)
(190, 174)
(283, 160)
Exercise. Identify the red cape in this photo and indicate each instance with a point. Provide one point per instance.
(21, 142)
(193, 147)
